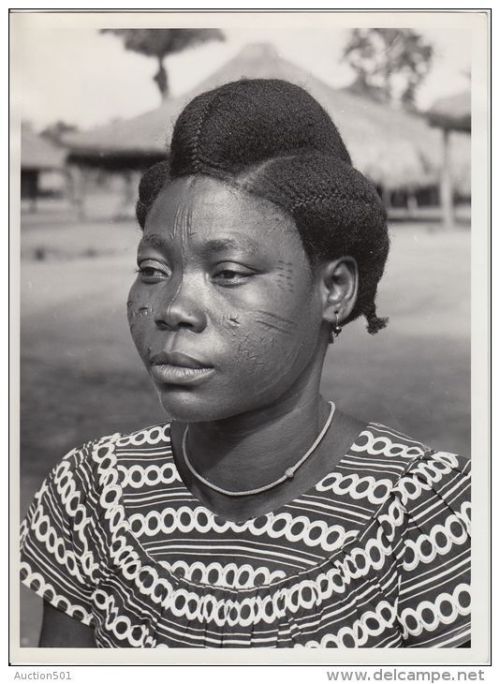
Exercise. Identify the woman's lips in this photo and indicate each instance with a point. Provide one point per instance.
(176, 368)
(180, 375)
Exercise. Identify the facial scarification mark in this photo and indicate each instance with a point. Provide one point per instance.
(285, 322)
(285, 265)
(272, 326)
(245, 351)
(183, 219)
(133, 313)
(189, 225)
(182, 228)
(268, 340)
(231, 322)
(180, 219)
(136, 311)
(154, 240)
(274, 322)
(284, 283)
(285, 275)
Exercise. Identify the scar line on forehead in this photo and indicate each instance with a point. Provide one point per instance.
(183, 217)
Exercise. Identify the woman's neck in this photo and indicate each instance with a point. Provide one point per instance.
(245, 458)
(255, 448)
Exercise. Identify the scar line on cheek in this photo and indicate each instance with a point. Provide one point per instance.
(275, 317)
(141, 311)
(266, 324)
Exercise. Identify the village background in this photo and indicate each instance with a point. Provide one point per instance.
(94, 119)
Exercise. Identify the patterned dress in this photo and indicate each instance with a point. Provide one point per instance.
(376, 554)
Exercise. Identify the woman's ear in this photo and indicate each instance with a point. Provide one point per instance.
(340, 289)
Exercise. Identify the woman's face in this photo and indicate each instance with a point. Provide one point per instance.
(225, 311)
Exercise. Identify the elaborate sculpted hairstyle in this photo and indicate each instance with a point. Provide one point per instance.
(273, 140)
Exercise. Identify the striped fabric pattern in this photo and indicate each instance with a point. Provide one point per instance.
(376, 554)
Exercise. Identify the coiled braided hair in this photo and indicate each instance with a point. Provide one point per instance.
(272, 139)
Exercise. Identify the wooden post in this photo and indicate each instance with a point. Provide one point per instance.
(386, 197)
(446, 190)
(77, 181)
(124, 209)
(411, 203)
(33, 188)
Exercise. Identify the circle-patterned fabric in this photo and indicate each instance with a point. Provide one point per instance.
(376, 554)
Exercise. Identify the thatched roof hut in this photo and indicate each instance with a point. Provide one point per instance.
(42, 164)
(39, 154)
(452, 113)
(394, 148)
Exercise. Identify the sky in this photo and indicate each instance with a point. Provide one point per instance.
(86, 78)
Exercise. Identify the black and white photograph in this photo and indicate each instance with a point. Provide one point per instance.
(253, 354)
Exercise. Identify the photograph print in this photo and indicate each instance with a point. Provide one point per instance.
(245, 285)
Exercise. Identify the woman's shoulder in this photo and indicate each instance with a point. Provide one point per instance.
(149, 436)
(421, 480)
(66, 530)
(80, 484)
(409, 467)
(82, 465)
(384, 442)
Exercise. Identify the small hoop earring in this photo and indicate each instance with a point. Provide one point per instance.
(336, 329)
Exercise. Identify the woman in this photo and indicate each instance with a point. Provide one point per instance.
(261, 515)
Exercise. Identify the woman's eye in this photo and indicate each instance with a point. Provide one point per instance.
(231, 276)
(150, 273)
(228, 275)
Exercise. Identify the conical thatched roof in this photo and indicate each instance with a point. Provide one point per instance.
(39, 154)
(394, 148)
(453, 112)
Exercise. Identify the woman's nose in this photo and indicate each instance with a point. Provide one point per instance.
(180, 310)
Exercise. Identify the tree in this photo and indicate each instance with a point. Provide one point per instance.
(159, 43)
(390, 64)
